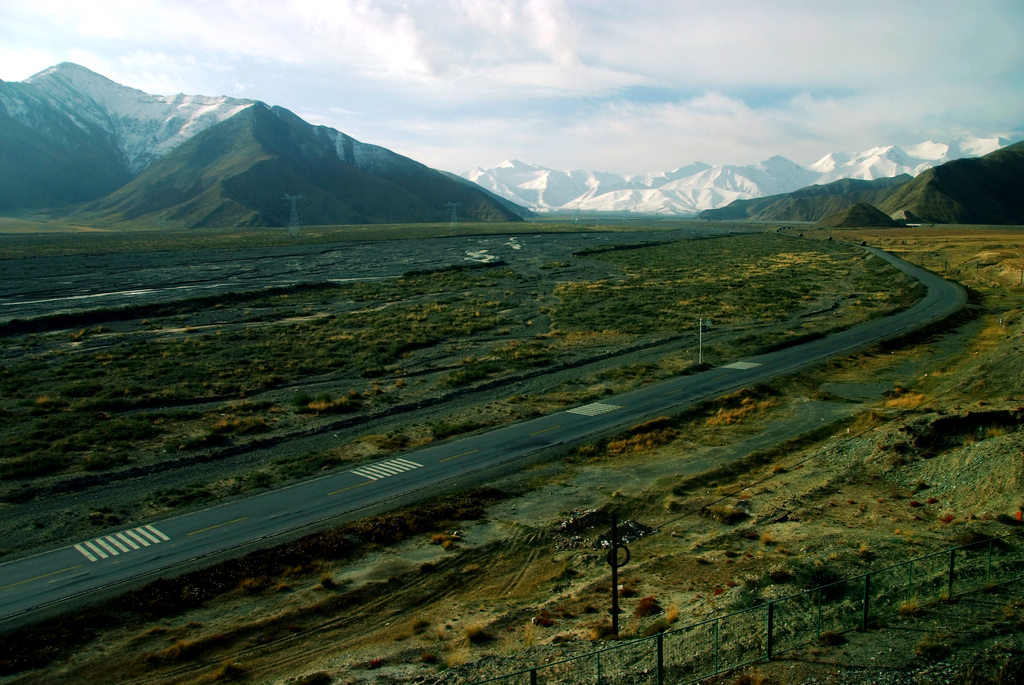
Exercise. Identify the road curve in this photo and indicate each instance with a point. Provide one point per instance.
(48, 582)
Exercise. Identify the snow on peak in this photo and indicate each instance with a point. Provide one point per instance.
(970, 146)
(830, 162)
(929, 150)
(698, 186)
(144, 127)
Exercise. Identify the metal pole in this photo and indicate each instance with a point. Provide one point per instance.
(614, 562)
(533, 676)
(769, 646)
(867, 602)
(700, 341)
(661, 660)
(718, 662)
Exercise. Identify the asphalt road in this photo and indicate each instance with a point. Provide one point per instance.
(120, 559)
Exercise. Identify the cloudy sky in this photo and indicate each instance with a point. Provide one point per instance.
(595, 84)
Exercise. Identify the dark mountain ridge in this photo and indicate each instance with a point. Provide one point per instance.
(76, 144)
(984, 190)
(808, 204)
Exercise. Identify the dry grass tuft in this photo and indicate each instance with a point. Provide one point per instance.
(476, 634)
(727, 416)
(648, 606)
(726, 513)
(910, 607)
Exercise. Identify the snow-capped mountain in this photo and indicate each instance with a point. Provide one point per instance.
(143, 127)
(78, 144)
(698, 186)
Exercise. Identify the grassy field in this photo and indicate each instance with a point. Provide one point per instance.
(34, 237)
(160, 381)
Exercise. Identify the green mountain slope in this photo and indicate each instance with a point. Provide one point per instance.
(859, 214)
(56, 164)
(807, 204)
(986, 190)
(237, 172)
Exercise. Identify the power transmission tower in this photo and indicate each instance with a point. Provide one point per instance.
(293, 213)
(455, 215)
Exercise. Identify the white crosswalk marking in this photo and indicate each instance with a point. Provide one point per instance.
(384, 469)
(103, 543)
(593, 409)
(86, 553)
(120, 543)
(96, 550)
(117, 543)
(127, 540)
(157, 533)
(138, 538)
(742, 366)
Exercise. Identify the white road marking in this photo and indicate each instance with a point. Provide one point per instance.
(128, 541)
(741, 366)
(593, 409)
(386, 468)
(138, 538)
(117, 543)
(85, 553)
(96, 550)
(103, 543)
(156, 532)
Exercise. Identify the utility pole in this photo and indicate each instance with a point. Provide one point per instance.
(455, 216)
(616, 563)
(293, 214)
(703, 324)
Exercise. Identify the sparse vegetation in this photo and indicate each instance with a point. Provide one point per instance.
(827, 491)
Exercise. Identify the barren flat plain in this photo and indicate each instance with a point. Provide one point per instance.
(155, 402)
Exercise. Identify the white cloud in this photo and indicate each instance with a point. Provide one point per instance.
(584, 83)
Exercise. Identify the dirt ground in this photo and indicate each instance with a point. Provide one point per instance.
(858, 464)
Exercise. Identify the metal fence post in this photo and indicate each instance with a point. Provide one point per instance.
(661, 659)
(769, 643)
(598, 668)
(533, 676)
(949, 583)
(717, 661)
(867, 602)
(910, 580)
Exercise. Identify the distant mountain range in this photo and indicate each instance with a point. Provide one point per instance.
(75, 143)
(985, 190)
(695, 187)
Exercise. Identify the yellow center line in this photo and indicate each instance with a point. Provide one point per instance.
(226, 523)
(45, 575)
(464, 454)
(351, 487)
(545, 430)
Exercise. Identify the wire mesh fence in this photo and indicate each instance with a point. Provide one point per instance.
(699, 650)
